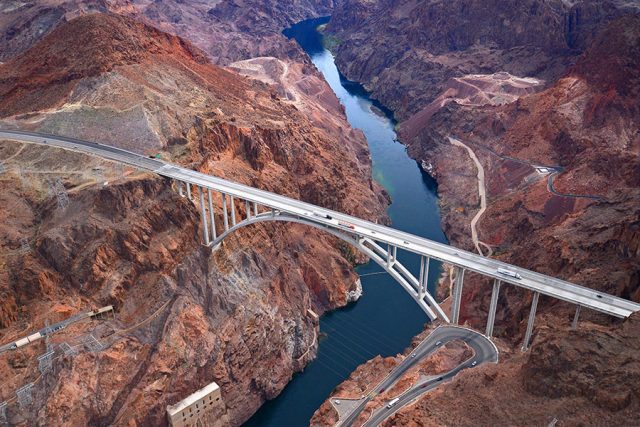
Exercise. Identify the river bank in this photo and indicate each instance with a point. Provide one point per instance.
(385, 319)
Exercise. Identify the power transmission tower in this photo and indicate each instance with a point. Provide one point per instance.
(93, 344)
(45, 361)
(67, 349)
(24, 395)
(3, 414)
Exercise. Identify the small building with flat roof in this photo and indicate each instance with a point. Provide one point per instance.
(204, 408)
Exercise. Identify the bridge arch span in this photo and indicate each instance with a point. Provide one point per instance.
(385, 259)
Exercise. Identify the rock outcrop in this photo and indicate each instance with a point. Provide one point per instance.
(404, 52)
(227, 30)
(585, 377)
(560, 160)
(185, 316)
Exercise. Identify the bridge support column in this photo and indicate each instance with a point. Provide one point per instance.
(391, 255)
(212, 214)
(576, 317)
(180, 192)
(246, 208)
(532, 318)
(255, 209)
(424, 276)
(188, 190)
(233, 211)
(225, 214)
(203, 214)
(492, 307)
(457, 295)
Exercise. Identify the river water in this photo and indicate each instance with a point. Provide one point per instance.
(385, 318)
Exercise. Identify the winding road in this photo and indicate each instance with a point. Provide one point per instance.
(482, 192)
(484, 350)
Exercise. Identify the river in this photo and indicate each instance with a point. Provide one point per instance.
(385, 319)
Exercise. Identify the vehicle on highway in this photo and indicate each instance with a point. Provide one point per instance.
(509, 273)
(474, 363)
(321, 215)
(440, 379)
(347, 224)
(24, 341)
(393, 402)
(413, 355)
(439, 342)
(337, 402)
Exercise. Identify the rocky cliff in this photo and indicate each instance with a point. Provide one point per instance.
(576, 222)
(550, 113)
(585, 377)
(404, 52)
(227, 30)
(184, 316)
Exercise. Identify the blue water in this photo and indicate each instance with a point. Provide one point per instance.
(385, 319)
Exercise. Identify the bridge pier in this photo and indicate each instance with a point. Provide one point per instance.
(255, 209)
(246, 208)
(212, 215)
(180, 192)
(203, 214)
(457, 295)
(574, 324)
(233, 211)
(188, 190)
(492, 307)
(424, 276)
(532, 318)
(392, 252)
(225, 214)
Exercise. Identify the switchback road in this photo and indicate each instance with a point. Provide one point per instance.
(484, 352)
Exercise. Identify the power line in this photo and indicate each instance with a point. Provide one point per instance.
(374, 334)
(354, 342)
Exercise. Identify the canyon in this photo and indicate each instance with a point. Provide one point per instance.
(239, 316)
(549, 109)
(543, 93)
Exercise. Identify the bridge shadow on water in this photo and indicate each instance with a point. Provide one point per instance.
(385, 319)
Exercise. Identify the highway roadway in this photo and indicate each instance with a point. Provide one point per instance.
(531, 280)
(484, 352)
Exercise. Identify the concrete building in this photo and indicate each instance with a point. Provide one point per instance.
(204, 408)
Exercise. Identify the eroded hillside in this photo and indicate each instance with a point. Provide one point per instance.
(184, 316)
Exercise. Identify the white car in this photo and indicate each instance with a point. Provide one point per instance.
(474, 363)
(439, 342)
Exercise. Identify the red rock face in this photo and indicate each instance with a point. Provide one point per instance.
(226, 30)
(584, 120)
(185, 316)
(524, 388)
(404, 52)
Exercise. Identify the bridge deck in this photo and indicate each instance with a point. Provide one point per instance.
(536, 282)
